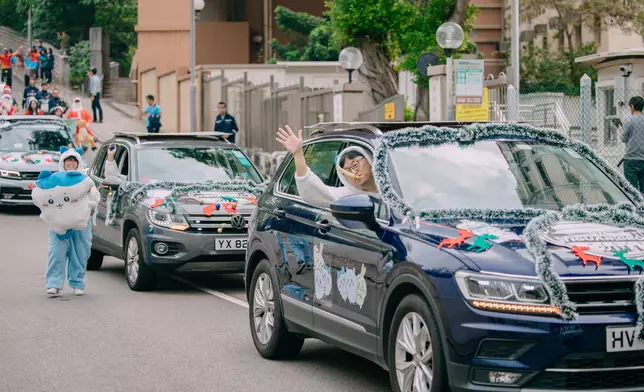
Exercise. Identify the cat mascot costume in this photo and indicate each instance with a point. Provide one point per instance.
(67, 201)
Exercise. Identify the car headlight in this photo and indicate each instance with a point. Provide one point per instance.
(505, 294)
(165, 219)
(10, 174)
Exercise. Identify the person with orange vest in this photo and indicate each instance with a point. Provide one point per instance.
(83, 120)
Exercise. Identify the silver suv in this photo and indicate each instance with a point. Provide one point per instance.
(148, 237)
(28, 146)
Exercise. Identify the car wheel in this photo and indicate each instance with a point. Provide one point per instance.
(140, 277)
(95, 261)
(416, 358)
(268, 328)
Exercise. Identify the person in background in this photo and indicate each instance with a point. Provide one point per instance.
(46, 64)
(7, 60)
(95, 92)
(7, 107)
(56, 100)
(57, 111)
(30, 91)
(226, 123)
(33, 108)
(153, 115)
(7, 91)
(32, 63)
(633, 136)
(44, 96)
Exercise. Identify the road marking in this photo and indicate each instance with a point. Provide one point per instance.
(212, 292)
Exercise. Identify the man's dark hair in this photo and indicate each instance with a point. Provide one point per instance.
(151, 97)
(350, 155)
(223, 103)
(94, 71)
(637, 103)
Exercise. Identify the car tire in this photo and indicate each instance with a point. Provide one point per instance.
(95, 261)
(139, 276)
(414, 315)
(278, 342)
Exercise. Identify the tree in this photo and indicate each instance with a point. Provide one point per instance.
(594, 14)
(390, 30)
(543, 71)
(78, 62)
(310, 37)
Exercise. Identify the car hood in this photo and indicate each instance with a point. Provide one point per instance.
(204, 203)
(508, 254)
(33, 161)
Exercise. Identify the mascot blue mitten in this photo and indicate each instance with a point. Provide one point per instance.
(67, 200)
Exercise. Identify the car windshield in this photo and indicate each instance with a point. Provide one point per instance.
(195, 164)
(21, 138)
(500, 174)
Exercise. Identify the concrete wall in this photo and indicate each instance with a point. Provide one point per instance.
(222, 42)
(149, 85)
(168, 100)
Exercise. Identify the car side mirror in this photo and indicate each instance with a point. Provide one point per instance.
(356, 212)
(112, 183)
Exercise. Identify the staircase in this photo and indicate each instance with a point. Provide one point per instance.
(118, 89)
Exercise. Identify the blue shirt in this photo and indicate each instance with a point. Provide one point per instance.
(154, 110)
(226, 124)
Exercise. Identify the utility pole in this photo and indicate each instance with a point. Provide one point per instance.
(29, 37)
(193, 66)
(516, 51)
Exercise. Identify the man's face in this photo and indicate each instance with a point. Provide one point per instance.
(150, 101)
(361, 169)
(55, 93)
(71, 164)
(32, 82)
(222, 109)
(45, 87)
(5, 51)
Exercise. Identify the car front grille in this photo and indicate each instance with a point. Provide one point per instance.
(597, 380)
(600, 360)
(14, 193)
(212, 224)
(602, 296)
(29, 175)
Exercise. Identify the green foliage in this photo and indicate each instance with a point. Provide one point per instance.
(10, 16)
(310, 37)
(78, 62)
(409, 112)
(546, 71)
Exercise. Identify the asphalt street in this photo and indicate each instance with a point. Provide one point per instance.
(190, 336)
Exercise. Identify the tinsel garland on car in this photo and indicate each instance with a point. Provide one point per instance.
(137, 191)
(539, 222)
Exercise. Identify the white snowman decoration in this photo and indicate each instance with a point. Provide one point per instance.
(352, 287)
(322, 273)
(361, 287)
(342, 283)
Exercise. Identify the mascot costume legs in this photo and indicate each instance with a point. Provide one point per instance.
(67, 201)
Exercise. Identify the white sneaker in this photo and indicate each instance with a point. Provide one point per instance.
(53, 292)
(79, 292)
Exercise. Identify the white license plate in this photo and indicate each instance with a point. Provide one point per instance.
(231, 243)
(622, 339)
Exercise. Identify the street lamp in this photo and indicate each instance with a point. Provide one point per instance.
(450, 36)
(350, 59)
(196, 6)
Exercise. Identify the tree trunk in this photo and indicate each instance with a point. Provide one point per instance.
(421, 112)
(460, 9)
(377, 72)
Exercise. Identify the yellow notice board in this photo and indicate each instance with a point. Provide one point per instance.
(474, 113)
(390, 111)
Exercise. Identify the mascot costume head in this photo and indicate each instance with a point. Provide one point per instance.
(66, 198)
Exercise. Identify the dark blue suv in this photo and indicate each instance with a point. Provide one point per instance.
(456, 297)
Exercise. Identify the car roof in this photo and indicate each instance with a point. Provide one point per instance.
(183, 138)
(31, 118)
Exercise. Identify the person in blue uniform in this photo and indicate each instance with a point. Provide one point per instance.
(226, 123)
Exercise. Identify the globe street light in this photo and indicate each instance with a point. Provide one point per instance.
(196, 6)
(450, 36)
(351, 60)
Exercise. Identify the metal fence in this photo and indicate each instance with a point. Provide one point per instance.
(591, 116)
(260, 108)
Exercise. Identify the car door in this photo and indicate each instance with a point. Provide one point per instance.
(110, 234)
(294, 228)
(356, 259)
(96, 173)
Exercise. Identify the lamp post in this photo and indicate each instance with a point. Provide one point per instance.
(450, 36)
(350, 59)
(195, 8)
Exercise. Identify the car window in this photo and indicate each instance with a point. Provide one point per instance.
(381, 209)
(99, 168)
(320, 157)
(124, 163)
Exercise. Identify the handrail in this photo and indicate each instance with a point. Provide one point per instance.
(138, 136)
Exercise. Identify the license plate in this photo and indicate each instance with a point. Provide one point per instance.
(622, 339)
(231, 244)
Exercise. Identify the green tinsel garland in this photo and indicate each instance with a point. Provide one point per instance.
(138, 191)
(538, 221)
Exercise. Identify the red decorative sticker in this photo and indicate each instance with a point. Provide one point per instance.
(451, 242)
(580, 251)
(157, 203)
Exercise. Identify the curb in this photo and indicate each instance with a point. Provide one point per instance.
(118, 109)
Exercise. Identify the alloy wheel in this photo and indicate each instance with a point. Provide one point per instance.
(264, 308)
(414, 355)
(132, 260)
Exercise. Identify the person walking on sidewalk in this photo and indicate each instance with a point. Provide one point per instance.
(7, 60)
(633, 136)
(153, 115)
(95, 92)
(226, 123)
